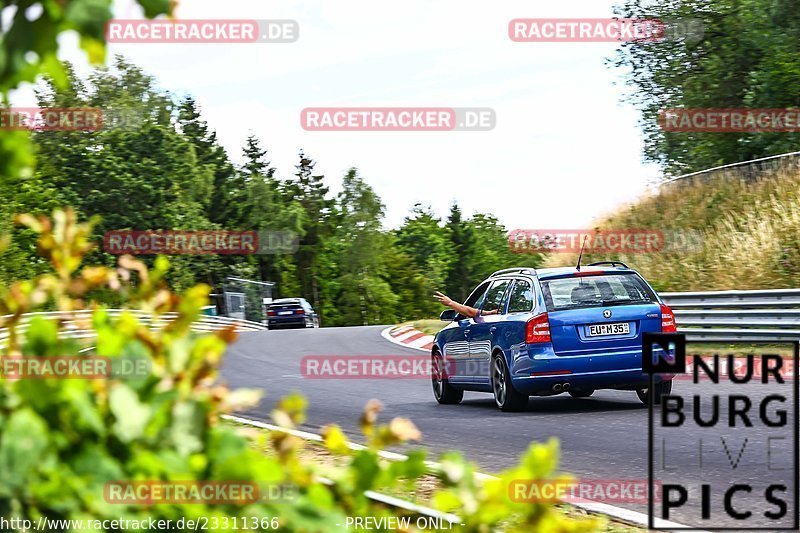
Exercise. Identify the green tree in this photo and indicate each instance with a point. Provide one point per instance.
(746, 58)
(268, 208)
(490, 249)
(311, 192)
(224, 206)
(365, 296)
(28, 49)
(414, 291)
(427, 242)
(149, 167)
(459, 282)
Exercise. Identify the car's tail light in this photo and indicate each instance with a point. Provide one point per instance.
(537, 329)
(272, 313)
(298, 311)
(667, 320)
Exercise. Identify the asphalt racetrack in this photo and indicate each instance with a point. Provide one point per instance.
(603, 437)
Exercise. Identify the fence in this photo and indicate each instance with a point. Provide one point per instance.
(730, 316)
(77, 324)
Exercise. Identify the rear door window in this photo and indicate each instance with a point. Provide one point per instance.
(595, 291)
(521, 298)
(493, 303)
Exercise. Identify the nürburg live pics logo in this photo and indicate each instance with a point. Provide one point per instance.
(723, 441)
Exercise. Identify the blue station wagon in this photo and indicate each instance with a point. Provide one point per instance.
(548, 331)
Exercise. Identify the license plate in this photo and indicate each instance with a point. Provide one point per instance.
(285, 312)
(618, 328)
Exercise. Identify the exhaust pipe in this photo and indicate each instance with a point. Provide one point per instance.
(565, 387)
(557, 387)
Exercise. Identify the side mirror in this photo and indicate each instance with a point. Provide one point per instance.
(448, 315)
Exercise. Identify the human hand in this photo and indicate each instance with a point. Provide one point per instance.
(444, 300)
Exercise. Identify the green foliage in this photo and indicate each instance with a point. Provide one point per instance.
(747, 58)
(63, 440)
(423, 237)
(28, 49)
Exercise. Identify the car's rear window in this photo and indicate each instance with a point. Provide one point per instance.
(604, 290)
(285, 306)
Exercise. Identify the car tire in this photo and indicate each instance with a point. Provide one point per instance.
(665, 387)
(506, 397)
(584, 393)
(444, 393)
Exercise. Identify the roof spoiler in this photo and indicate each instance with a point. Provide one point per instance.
(612, 263)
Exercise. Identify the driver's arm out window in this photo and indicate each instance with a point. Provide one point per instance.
(476, 298)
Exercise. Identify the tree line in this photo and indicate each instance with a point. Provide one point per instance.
(156, 164)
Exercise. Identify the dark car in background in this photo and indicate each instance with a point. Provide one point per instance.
(291, 313)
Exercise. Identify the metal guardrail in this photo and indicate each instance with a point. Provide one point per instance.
(735, 316)
(76, 324)
(750, 170)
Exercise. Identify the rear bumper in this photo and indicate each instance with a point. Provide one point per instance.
(289, 322)
(537, 371)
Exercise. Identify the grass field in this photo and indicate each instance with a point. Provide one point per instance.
(740, 234)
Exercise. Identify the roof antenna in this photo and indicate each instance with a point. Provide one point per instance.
(578, 268)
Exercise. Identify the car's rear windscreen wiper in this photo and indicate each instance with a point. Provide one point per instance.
(608, 303)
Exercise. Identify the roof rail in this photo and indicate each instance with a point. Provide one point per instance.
(612, 263)
(515, 270)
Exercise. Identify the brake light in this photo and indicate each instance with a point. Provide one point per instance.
(537, 329)
(589, 272)
(668, 320)
(298, 312)
(272, 313)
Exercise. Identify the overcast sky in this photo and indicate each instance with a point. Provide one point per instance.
(564, 150)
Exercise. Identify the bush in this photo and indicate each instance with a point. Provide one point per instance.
(62, 441)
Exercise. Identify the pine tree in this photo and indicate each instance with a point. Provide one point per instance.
(311, 192)
(459, 282)
(225, 206)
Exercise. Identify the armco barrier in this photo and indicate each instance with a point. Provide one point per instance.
(735, 316)
(77, 324)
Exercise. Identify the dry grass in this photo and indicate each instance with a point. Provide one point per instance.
(749, 234)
